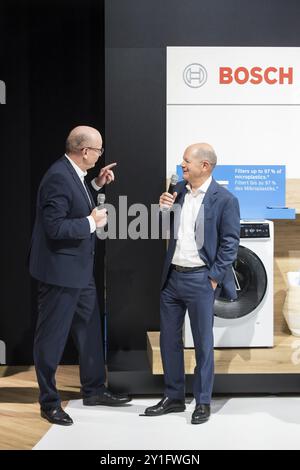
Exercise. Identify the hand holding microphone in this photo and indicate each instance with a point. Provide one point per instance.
(167, 199)
(99, 214)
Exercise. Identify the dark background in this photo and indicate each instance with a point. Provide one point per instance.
(54, 63)
(52, 60)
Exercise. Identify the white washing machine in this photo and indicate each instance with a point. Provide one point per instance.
(248, 320)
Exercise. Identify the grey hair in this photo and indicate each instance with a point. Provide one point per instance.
(208, 155)
(76, 142)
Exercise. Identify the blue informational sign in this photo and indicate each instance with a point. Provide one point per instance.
(260, 189)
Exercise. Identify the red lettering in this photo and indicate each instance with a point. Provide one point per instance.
(237, 74)
(288, 75)
(270, 81)
(257, 77)
(225, 75)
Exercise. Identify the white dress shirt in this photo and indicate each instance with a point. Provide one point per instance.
(186, 252)
(81, 174)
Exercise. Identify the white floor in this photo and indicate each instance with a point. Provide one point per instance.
(236, 423)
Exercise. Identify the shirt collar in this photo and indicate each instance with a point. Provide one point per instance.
(78, 170)
(203, 188)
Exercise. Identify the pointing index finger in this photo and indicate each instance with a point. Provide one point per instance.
(108, 167)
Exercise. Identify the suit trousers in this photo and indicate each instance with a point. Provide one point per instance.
(190, 291)
(62, 310)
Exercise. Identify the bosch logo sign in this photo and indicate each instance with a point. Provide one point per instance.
(256, 75)
(195, 75)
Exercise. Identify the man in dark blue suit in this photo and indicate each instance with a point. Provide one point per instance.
(204, 241)
(62, 260)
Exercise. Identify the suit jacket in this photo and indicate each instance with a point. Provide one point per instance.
(221, 222)
(62, 247)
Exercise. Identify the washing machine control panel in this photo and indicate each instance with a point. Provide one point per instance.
(255, 230)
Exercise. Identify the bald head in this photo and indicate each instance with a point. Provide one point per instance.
(80, 137)
(198, 163)
(203, 151)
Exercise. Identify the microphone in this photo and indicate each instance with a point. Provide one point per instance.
(100, 205)
(100, 201)
(173, 182)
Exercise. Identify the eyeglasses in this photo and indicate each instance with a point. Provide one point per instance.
(100, 151)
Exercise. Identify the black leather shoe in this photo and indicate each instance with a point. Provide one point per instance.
(57, 416)
(107, 398)
(166, 405)
(201, 414)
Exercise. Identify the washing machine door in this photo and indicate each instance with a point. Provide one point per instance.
(251, 285)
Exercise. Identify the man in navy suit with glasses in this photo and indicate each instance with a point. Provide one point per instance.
(62, 260)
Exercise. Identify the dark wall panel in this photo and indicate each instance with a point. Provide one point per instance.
(15, 317)
(52, 60)
(135, 133)
(156, 23)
